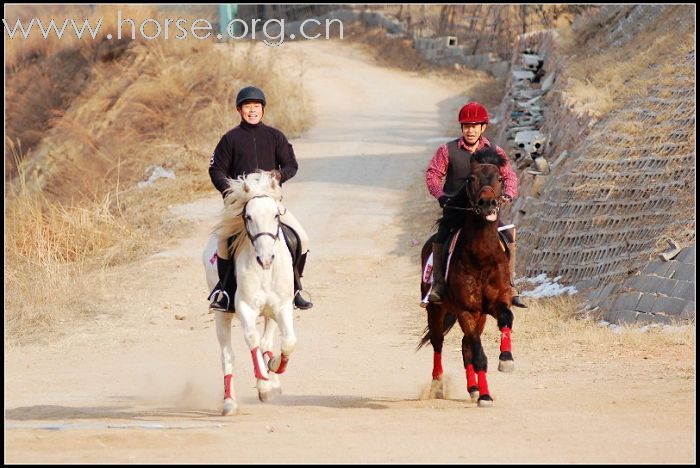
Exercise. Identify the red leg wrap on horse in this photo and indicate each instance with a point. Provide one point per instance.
(437, 365)
(256, 365)
(471, 377)
(227, 386)
(283, 364)
(483, 385)
(505, 339)
(267, 357)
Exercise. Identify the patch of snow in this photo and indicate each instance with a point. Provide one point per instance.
(547, 287)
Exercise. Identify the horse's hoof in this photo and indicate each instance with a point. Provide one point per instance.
(263, 396)
(485, 401)
(437, 389)
(473, 394)
(276, 391)
(230, 407)
(506, 366)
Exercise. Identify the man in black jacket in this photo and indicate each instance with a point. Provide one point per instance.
(249, 147)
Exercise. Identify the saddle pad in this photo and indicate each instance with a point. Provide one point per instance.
(428, 268)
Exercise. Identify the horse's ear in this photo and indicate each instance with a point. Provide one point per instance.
(246, 187)
(273, 183)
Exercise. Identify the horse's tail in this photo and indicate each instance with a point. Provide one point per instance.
(448, 322)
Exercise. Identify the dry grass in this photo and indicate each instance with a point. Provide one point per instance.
(99, 117)
(390, 52)
(603, 78)
(552, 327)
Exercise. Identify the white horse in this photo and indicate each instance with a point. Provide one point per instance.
(263, 268)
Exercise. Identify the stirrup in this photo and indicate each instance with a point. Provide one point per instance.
(433, 296)
(301, 303)
(221, 301)
(517, 302)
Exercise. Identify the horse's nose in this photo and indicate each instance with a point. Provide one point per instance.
(265, 264)
(483, 203)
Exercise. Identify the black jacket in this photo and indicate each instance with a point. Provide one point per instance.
(247, 148)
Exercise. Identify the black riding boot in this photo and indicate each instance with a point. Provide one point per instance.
(517, 302)
(300, 302)
(438, 289)
(225, 290)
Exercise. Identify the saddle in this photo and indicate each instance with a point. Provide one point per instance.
(291, 239)
(448, 249)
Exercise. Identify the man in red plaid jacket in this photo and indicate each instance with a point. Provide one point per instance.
(446, 174)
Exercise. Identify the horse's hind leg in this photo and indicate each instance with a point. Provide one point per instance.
(505, 325)
(472, 386)
(223, 333)
(436, 318)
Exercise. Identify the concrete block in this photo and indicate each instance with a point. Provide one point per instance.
(688, 311)
(520, 75)
(673, 250)
(669, 306)
(530, 141)
(621, 317)
(646, 302)
(684, 290)
(532, 61)
(657, 267)
(648, 319)
(647, 283)
(605, 291)
(684, 271)
(584, 285)
(547, 82)
(666, 287)
(627, 301)
(687, 255)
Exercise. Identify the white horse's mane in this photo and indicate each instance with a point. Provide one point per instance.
(239, 191)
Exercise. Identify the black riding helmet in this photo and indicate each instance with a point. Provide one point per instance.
(250, 93)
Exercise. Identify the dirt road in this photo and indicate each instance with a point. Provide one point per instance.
(137, 385)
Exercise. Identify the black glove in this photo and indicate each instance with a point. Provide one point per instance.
(444, 200)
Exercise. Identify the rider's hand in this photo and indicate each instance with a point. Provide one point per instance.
(276, 174)
(506, 199)
(443, 200)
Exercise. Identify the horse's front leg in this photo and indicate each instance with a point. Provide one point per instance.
(473, 355)
(223, 333)
(284, 318)
(267, 346)
(505, 325)
(247, 315)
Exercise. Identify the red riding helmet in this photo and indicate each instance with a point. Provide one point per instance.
(473, 113)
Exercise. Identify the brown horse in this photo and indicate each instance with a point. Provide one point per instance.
(478, 283)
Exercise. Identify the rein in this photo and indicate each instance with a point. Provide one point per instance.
(255, 237)
(473, 206)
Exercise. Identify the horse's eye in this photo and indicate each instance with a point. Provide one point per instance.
(247, 217)
(500, 179)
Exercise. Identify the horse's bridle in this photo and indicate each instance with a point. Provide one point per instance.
(472, 204)
(255, 237)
